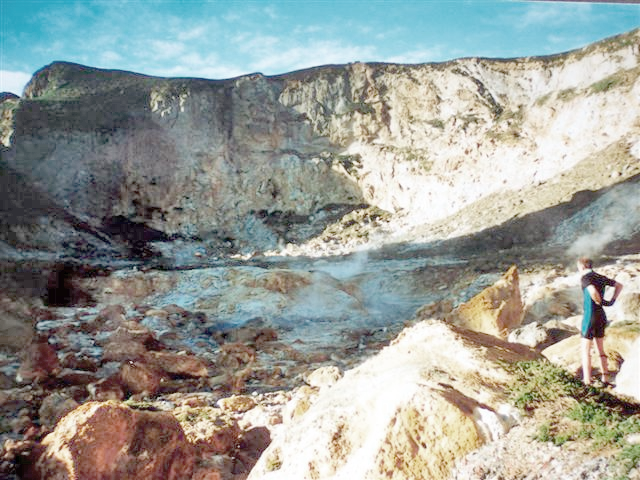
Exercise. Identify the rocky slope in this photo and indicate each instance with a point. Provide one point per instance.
(258, 162)
(311, 275)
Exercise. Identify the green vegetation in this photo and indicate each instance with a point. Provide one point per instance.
(363, 108)
(5, 425)
(467, 120)
(196, 414)
(273, 461)
(513, 116)
(577, 412)
(420, 157)
(540, 101)
(631, 327)
(540, 382)
(607, 46)
(140, 405)
(623, 78)
(437, 123)
(351, 163)
(567, 94)
(606, 84)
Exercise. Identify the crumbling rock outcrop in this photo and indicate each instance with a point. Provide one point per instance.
(495, 310)
(256, 162)
(436, 393)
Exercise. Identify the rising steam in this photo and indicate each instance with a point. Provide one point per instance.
(614, 216)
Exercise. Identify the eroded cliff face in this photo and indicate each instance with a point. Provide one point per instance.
(245, 160)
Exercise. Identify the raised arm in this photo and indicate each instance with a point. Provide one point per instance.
(595, 294)
(616, 291)
(617, 288)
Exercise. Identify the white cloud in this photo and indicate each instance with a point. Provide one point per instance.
(162, 49)
(387, 34)
(54, 50)
(260, 44)
(307, 29)
(281, 60)
(546, 14)
(271, 12)
(193, 64)
(232, 17)
(110, 58)
(13, 82)
(424, 55)
(212, 71)
(192, 33)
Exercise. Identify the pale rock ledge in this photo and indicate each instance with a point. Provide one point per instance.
(433, 395)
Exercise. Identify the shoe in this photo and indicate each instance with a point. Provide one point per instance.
(602, 384)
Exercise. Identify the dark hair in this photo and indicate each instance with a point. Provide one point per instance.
(585, 262)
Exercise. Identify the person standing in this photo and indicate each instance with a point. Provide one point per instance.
(594, 319)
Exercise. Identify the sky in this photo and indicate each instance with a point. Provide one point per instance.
(219, 39)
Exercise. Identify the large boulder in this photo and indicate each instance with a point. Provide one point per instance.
(140, 377)
(495, 310)
(618, 344)
(540, 336)
(209, 430)
(128, 342)
(55, 406)
(628, 378)
(39, 361)
(111, 441)
(436, 393)
(178, 363)
(16, 325)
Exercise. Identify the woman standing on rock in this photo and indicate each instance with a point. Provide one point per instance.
(594, 319)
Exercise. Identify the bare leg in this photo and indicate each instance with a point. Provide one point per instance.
(604, 365)
(586, 361)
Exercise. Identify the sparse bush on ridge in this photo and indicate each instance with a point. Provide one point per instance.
(577, 412)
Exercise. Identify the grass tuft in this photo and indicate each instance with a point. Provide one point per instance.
(577, 412)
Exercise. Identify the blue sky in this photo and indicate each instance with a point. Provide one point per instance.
(223, 39)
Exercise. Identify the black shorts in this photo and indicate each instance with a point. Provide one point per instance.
(594, 328)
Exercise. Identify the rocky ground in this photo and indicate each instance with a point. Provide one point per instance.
(239, 339)
(165, 357)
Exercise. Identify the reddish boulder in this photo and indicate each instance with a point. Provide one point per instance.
(129, 341)
(251, 445)
(110, 441)
(76, 361)
(75, 377)
(123, 351)
(109, 388)
(236, 355)
(139, 377)
(108, 319)
(131, 331)
(178, 364)
(39, 361)
(174, 309)
(111, 316)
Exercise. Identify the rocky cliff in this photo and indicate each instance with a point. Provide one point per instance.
(257, 162)
(343, 272)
